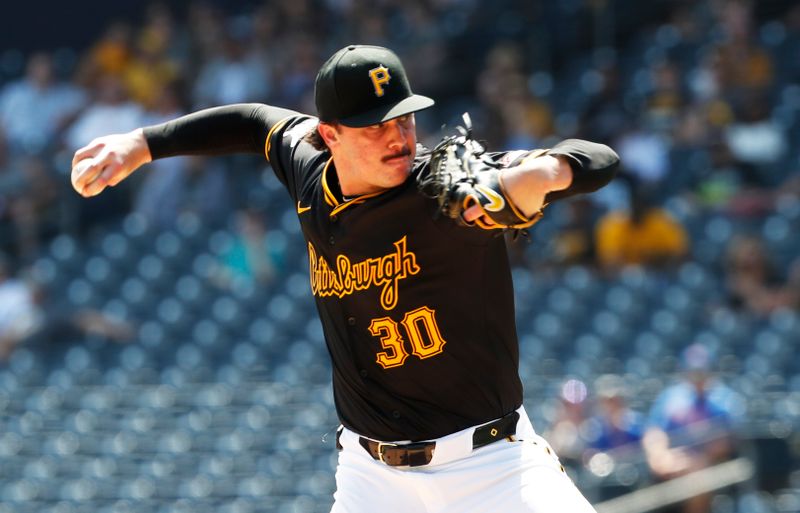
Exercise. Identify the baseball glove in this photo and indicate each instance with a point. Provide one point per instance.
(462, 175)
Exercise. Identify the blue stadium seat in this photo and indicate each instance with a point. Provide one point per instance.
(66, 251)
(207, 334)
(193, 293)
(117, 248)
(232, 375)
(137, 229)
(172, 312)
(228, 312)
(26, 366)
(140, 296)
(152, 269)
(579, 368)
(83, 294)
(190, 226)
(171, 247)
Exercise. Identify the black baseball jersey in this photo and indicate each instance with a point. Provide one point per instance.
(417, 311)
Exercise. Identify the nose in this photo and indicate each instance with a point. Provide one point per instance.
(396, 135)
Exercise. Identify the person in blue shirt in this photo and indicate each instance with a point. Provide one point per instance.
(614, 425)
(691, 424)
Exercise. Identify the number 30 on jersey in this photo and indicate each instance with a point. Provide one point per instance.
(422, 331)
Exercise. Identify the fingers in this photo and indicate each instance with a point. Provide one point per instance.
(88, 151)
(84, 173)
(476, 214)
(473, 213)
(94, 187)
(109, 175)
(91, 176)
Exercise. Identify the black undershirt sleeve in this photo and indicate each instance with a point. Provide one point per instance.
(238, 128)
(593, 166)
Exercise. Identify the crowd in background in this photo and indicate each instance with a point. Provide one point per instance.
(698, 106)
(702, 105)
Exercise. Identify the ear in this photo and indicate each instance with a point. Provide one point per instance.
(329, 134)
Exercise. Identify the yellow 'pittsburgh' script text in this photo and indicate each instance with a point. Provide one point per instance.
(348, 277)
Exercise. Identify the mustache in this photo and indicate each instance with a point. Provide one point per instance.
(403, 153)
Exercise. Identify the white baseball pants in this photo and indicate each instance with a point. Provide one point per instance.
(521, 476)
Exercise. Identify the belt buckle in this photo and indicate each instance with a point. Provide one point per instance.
(381, 446)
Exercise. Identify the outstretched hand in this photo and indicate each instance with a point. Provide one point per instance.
(108, 160)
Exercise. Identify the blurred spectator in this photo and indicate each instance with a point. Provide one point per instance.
(19, 315)
(112, 111)
(733, 186)
(691, 424)
(161, 194)
(187, 184)
(63, 322)
(665, 97)
(34, 109)
(373, 29)
(502, 73)
(251, 256)
(752, 282)
(161, 30)
(644, 234)
(605, 111)
(31, 316)
(295, 85)
(206, 34)
(692, 129)
(573, 243)
(565, 434)
(526, 120)
(743, 66)
(109, 56)
(301, 16)
(613, 425)
(514, 117)
(613, 435)
(29, 205)
(171, 101)
(755, 138)
(150, 70)
(11, 182)
(645, 153)
(234, 75)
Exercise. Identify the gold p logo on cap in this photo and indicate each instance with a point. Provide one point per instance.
(379, 77)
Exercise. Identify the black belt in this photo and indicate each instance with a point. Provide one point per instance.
(420, 453)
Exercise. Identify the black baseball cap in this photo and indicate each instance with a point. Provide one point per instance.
(365, 85)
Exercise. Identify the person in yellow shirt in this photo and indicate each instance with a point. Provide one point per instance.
(644, 235)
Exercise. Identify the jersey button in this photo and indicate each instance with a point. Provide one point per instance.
(396, 414)
(363, 373)
(351, 321)
(331, 240)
